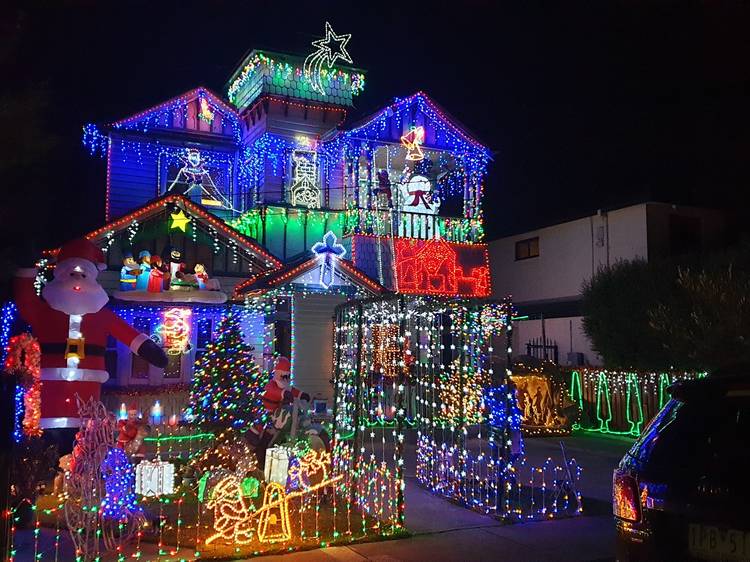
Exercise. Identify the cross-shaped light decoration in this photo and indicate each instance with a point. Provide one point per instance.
(328, 252)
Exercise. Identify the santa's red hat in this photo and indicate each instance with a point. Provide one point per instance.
(283, 365)
(83, 249)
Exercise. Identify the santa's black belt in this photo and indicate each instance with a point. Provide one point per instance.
(89, 348)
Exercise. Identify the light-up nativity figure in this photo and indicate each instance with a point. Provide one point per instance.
(196, 176)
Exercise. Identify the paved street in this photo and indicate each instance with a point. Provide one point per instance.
(445, 532)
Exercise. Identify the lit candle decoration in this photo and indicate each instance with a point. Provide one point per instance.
(156, 413)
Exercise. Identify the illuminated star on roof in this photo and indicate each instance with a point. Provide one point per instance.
(327, 51)
(334, 46)
(179, 221)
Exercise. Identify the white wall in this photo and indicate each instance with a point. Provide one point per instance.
(567, 332)
(569, 254)
(313, 337)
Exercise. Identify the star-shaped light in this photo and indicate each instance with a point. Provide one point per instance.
(179, 221)
(334, 46)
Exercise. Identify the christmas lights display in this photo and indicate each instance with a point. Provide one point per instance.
(328, 252)
(260, 65)
(328, 51)
(23, 359)
(227, 385)
(468, 425)
(196, 176)
(222, 458)
(539, 404)
(305, 191)
(438, 267)
(620, 402)
(174, 332)
(154, 478)
(100, 506)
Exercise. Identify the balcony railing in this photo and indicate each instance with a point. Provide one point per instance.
(413, 225)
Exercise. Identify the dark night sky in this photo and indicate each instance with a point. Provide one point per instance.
(585, 105)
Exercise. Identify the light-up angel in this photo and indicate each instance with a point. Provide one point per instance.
(195, 174)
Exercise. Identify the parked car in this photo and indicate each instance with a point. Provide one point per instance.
(681, 492)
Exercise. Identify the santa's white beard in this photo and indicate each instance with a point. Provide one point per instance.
(281, 383)
(61, 295)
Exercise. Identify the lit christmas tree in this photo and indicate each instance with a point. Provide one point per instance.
(228, 384)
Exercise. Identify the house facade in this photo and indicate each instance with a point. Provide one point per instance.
(544, 269)
(273, 202)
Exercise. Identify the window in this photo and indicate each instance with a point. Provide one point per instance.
(528, 248)
(203, 337)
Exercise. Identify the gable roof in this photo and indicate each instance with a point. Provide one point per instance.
(430, 107)
(301, 265)
(182, 99)
(262, 257)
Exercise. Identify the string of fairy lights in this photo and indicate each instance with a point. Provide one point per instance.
(620, 402)
(466, 416)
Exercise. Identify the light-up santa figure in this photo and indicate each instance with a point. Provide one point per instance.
(72, 323)
(278, 392)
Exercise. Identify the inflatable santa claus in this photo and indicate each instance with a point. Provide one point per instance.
(72, 323)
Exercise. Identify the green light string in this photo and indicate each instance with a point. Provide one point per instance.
(575, 384)
(664, 382)
(632, 386)
(603, 386)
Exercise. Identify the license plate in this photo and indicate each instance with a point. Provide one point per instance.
(714, 543)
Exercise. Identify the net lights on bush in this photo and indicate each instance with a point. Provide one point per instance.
(119, 501)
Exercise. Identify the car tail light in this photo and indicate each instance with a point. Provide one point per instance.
(625, 497)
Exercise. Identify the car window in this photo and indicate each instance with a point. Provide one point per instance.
(707, 435)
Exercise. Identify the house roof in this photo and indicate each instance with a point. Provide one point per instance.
(300, 265)
(419, 97)
(261, 255)
(188, 96)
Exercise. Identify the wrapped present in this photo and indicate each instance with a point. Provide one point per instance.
(277, 465)
(154, 478)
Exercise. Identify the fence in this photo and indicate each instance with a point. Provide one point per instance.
(543, 349)
(620, 402)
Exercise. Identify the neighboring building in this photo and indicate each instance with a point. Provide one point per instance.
(544, 269)
(291, 211)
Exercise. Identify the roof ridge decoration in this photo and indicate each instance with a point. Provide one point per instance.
(275, 278)
(194, 210)
(96, 138)
(278, 69)
(430, 108)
